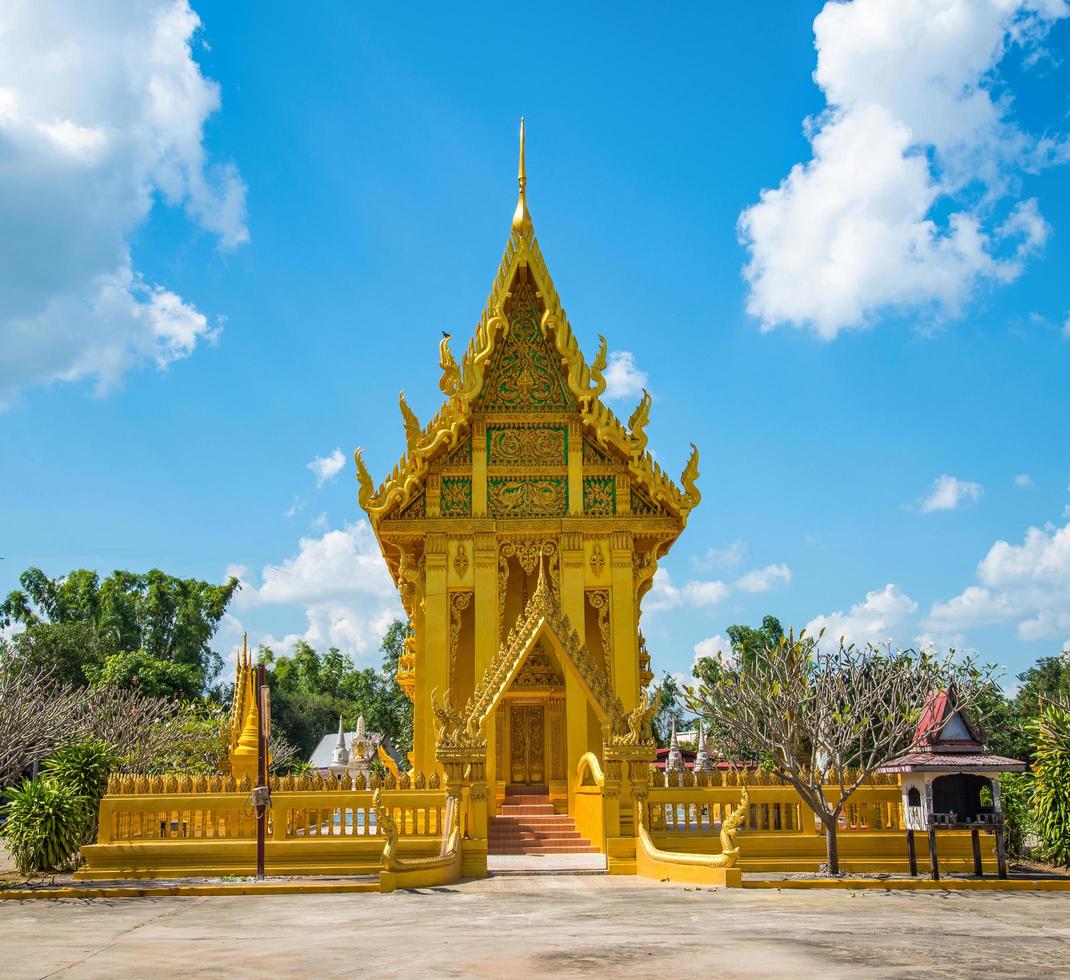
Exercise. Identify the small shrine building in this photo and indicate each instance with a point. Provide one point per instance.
(525, 472)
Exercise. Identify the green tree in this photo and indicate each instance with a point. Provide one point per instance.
(1047, 680)
(1004, 730)
(126, 628)
(818, 717)
(397, 708)
(746, 643)
(1051, 787)
(670, 709)
(311, 690)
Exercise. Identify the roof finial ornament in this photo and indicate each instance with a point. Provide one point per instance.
(541, 597)
(521, 218)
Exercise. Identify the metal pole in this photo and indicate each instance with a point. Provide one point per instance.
(912, 854)
(261, 775)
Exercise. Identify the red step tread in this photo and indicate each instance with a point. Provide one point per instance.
(527, 824)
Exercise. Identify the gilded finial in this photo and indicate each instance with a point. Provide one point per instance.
(412, 423)
(542, 592)
(521, 218)
(364, 479)
(692, 494)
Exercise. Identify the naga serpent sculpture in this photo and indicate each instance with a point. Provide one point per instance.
(729, 852)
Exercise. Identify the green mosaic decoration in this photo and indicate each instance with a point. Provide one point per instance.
(643, 506)
(524, 446)
(596, 456)
(455, 498)
(509, 497)
(460, 455)
(525, 375)
(414, 508)
(599, 496)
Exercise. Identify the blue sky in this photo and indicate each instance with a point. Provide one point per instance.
(235, 238)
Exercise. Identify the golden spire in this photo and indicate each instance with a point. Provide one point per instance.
(521, 218)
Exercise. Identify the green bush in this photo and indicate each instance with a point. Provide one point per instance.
(43, 823)
(1016, 791)
(1051, 797)
(83, 767)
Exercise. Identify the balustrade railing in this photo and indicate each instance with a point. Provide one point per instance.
(311, 807)
(695, 804)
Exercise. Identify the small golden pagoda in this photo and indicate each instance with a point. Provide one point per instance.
(523, 527)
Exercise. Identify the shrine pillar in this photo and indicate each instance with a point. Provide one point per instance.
(435, 672)
(487, 631)
(572, 600)
(624, 659)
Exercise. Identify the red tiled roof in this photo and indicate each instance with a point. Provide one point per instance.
(923, 758)
(939, 707)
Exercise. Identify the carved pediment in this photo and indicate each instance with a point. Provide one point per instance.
(525, 375)
(540, 670)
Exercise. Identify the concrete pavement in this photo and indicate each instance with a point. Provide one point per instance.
(549, 926)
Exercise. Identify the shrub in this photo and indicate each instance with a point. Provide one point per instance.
(1016, 790)
(44, 820)
(1051, 797)
(83, 768)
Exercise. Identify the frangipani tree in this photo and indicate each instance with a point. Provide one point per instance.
(826, 716)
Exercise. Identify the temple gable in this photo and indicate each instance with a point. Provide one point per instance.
(525, 375)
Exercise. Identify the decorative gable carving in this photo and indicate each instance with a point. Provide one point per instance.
(525, 375)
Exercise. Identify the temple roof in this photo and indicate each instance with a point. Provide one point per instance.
(925, 760)
(463, 383)
(943, 727)
(946, 741)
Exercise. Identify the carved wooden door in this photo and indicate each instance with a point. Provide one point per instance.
(526, 744)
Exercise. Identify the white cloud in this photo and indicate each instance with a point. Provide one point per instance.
(948, 493)
(911, 132)
(327, 467)
(319, 522)
(1066, 327)
(878, 619)
(1027, 584)
(102, 112)
(665, 594)
(340, 582)
(623, 377)
(1023, 480)
(295, 508)
(764, 579)
(712, 646)
(727, 557)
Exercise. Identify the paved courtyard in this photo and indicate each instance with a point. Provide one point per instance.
(551, 926)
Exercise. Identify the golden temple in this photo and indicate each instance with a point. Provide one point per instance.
(524, 467)
(522, 526)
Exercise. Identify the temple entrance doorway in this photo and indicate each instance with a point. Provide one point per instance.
(532, 828)
(527, 744)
